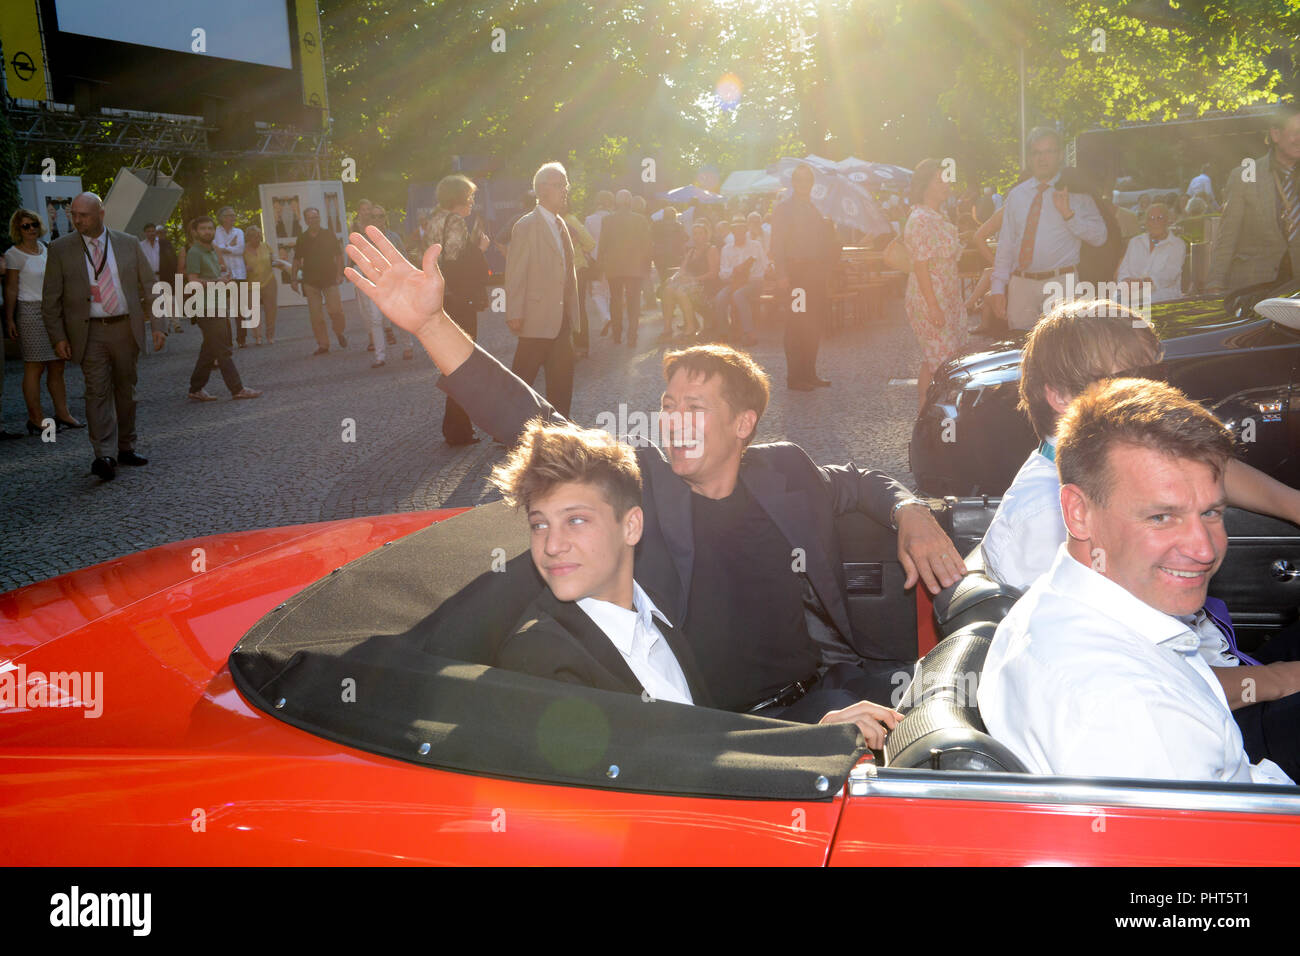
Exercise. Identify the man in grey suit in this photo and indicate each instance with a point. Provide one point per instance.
(97, 296)
(1259, 234)
(542, 289)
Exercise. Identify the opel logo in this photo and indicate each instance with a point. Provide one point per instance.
(309, 41)
(23, 66)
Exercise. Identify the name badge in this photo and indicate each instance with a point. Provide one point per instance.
(94, 294)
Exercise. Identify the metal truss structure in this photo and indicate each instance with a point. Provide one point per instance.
(160, 141)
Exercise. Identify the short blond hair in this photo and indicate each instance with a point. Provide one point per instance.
(551, 454)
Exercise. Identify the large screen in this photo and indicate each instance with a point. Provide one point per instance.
(252, 31)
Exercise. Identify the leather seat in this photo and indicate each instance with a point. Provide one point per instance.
(975, 598)
(942, 728)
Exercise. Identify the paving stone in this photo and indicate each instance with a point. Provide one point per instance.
(281, 459)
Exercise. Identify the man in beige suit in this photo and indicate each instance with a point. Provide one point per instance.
(542, 289)
(98, 293)
(1259, 234)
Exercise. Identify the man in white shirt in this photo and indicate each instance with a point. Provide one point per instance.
(1092, 673)
(1041, 234)
(742, 266)
(1155, 260)
(229, 242)
(594, 624)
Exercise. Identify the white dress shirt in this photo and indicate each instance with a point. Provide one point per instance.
(734, 255)
(151, 251)
(553, 222)
(1056, 241)
(1163, 262)
(1027, 529)
(231, 246)
(97, 308)
(642, 645)
(1085, 679)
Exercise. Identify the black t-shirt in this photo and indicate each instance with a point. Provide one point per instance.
(318, 253)
(746, 616)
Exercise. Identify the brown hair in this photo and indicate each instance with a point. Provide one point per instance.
(16, 220)
(551, 454)
(1138, 412)
(1073, 346)
(925, 173)
(452, 191)
(744, 383)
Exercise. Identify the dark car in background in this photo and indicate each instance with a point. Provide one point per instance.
(1243, 366)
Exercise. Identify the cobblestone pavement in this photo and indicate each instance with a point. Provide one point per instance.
(281, 459)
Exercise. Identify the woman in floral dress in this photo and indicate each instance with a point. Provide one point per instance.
(933, 301)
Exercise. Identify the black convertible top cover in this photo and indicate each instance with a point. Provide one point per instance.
(390, 654)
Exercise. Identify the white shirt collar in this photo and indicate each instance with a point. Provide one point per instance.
(618, 622)
(1107, 598)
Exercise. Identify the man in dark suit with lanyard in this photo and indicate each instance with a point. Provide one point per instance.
(98, 293)
(739, 539)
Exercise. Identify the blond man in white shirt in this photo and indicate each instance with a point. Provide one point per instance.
(1093, 673)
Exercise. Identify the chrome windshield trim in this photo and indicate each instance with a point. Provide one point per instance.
(870, 781)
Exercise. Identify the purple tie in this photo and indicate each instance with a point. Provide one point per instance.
(1217, 612)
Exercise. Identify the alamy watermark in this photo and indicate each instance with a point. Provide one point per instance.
(22, 689)
(209, 299)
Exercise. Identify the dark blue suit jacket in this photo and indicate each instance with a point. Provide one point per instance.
(802, 499)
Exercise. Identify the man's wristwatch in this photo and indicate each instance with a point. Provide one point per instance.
(903, 503)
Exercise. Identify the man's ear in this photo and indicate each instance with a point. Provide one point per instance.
(633, 525)
(1059, 400)
(1076, 509)
(746, 422)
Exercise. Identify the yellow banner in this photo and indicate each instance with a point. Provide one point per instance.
(311, 56)
(20, 32)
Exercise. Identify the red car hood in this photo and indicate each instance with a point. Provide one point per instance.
(148, 632)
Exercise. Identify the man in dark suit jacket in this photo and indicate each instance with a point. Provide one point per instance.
(592, 624)
(623, 254)
(722, 517)
(97, 296)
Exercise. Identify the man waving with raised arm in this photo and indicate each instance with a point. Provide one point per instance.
(739, 538)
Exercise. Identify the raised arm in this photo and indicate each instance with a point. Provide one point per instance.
(495, 399)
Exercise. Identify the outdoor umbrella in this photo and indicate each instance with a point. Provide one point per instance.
(685, 194)
(836, 197)
(875, 175)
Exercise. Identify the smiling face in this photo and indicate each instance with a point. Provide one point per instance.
(703, 436)
(581, 549)
(1160, 534)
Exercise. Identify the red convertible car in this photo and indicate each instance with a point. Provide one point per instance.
(322, 695)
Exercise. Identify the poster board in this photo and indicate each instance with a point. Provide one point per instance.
(283, 208)
(51, 200)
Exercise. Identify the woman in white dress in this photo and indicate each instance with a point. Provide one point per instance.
(24, 278)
